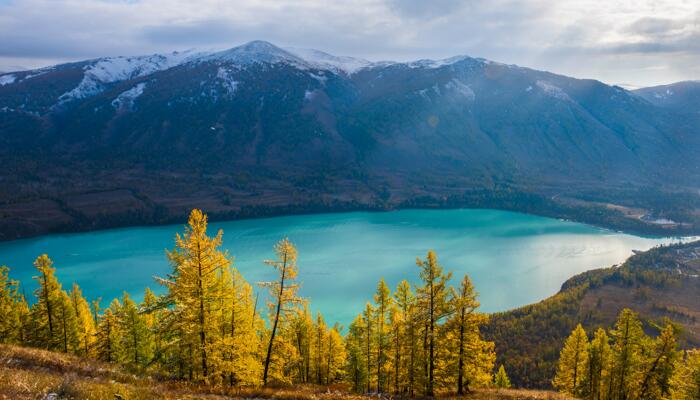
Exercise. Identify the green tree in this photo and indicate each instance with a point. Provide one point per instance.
(501, 379)
(136, 342)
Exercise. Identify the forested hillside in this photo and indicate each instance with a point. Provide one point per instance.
(660, 284)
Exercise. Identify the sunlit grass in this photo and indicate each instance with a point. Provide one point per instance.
(27, 373)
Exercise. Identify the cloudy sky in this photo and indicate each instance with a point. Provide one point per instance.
(635, 43)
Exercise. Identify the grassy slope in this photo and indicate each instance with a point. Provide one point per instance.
(658, 284)
(37, 374)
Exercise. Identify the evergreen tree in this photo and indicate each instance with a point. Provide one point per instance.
(283, 292)
(382, 301)
(572, 362)
(434, 305)
(501, 379)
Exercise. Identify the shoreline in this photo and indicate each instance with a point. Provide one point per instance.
(592, 215)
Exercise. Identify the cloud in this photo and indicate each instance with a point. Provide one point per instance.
(611, 41)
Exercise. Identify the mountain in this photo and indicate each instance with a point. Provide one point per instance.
(684, 97)
(258, 130)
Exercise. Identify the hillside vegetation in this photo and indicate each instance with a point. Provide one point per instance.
(27, 373)
(660, 284)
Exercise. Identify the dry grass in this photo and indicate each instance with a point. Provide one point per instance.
(27, 373)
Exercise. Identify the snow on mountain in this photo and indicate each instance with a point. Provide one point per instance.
(6, 79)
(115, 69)
(255, 52)
(322, 60)
(125, 100)
(226, 78)
(460, 88)
(99, 73)
(551, 90)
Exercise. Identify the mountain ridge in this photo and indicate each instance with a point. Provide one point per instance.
(258, 127)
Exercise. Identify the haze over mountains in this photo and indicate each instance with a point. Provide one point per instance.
(138, 139)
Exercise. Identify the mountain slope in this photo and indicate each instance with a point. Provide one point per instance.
(261, 126)
(659, 284)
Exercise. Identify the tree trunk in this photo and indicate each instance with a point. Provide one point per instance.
(460, 373)
(277, 317)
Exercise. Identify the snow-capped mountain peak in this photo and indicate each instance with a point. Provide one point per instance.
(323, 60)
(113, 69)
(255, 52)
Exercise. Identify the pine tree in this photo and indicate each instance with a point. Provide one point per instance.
(597, 377)
(135, 341)
(319, 343)
(336, 355)
(658, 368)
(475, 357)
(192, 292)
(572, 362)
(241, 341)
(501, 379)
(108, 335)
(367, 317)
(44, 311)
(434, 305)
(405, 301)
(13, 309)
(628, 343)
(85, 321)
(685, 384)
(283, 292)
(382, 301)
(354, 343)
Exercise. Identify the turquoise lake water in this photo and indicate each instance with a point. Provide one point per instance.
(513, 259)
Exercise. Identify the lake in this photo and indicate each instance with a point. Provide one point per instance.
(513, 259)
